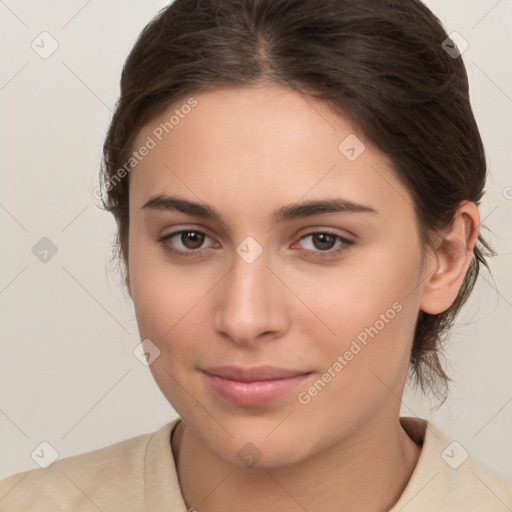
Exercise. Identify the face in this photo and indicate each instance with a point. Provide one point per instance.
(329, 292)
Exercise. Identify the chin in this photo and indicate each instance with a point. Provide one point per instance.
(265, 455)
(253, 447)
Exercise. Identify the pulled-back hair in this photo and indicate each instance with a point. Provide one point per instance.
(380, 63)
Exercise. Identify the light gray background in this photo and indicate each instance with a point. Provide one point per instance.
(67, 370)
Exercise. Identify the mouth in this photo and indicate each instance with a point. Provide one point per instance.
(253, 387)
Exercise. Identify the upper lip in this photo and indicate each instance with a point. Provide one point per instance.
(254, 373)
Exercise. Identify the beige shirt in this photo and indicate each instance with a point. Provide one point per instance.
(139, 474)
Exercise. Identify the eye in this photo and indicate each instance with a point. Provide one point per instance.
(323, 244)
(186, 242)
(189, 243)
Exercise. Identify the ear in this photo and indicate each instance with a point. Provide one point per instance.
(450, 260)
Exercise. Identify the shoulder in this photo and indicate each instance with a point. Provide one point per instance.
(447, 478)
(110, 478)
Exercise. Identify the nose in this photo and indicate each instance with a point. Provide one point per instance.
(252, 303)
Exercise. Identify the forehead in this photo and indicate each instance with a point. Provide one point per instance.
(259, 145)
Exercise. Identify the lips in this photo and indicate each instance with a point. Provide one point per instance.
(253, 387)
(253, 374)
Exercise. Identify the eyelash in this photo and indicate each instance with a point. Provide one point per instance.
(346, 243)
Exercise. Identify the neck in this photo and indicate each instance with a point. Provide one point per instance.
(367, 471)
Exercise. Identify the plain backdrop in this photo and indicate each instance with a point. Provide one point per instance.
(68, 374)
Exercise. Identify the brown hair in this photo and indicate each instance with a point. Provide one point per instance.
(381, 63)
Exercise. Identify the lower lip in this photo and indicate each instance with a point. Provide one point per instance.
(253, 394)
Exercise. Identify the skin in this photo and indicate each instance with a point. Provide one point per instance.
(247, 152)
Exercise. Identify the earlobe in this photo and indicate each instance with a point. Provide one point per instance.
(450, 260)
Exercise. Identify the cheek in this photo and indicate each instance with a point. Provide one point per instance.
(365, 312)
(170, 304)
(160, 292)
(167, 308)
(363, 366)
(351, 296)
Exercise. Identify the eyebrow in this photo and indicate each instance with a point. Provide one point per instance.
(285, 213)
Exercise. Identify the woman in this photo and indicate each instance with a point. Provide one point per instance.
(296, 187)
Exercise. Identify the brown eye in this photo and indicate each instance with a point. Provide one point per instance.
(186, 242)
(323, 241)
(192, 239)
(323, 244)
